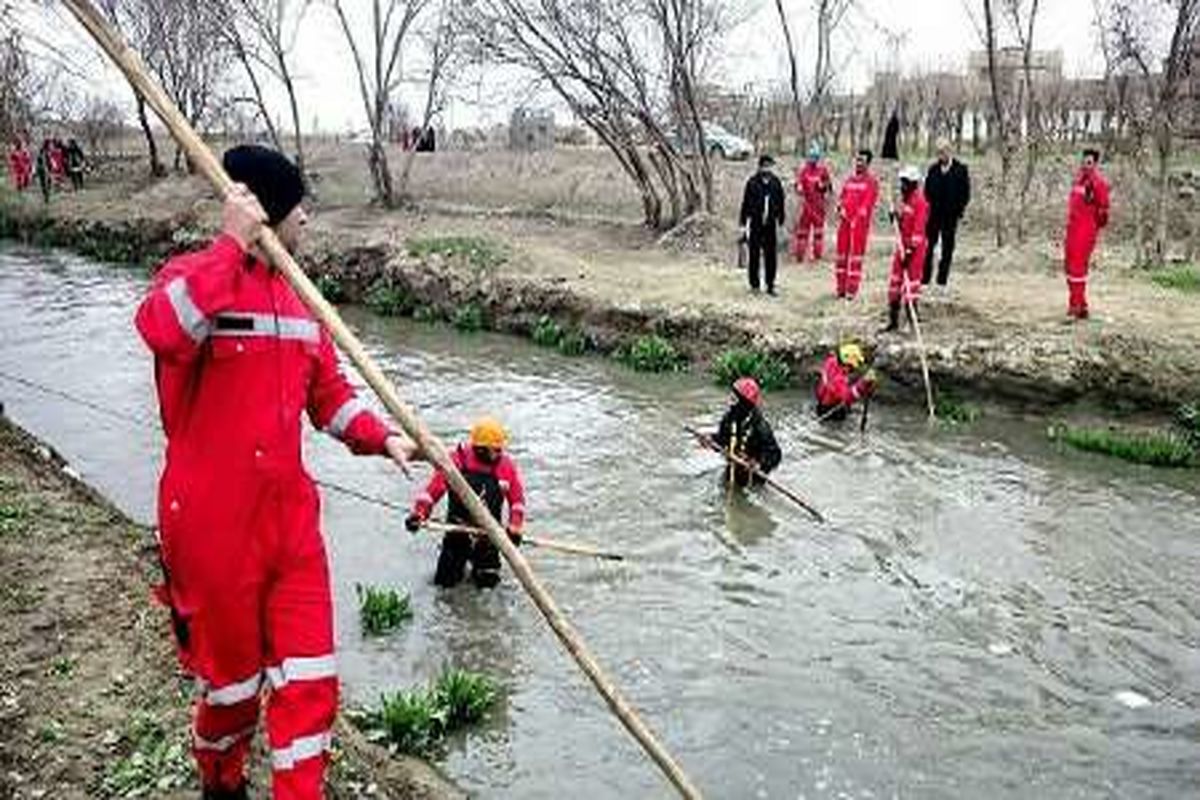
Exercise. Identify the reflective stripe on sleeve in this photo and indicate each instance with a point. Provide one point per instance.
(300, 749)
(302, 668)
(231, 323)
(190, 318)
(344, 416)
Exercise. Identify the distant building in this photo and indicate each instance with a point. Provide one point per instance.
(530, 129)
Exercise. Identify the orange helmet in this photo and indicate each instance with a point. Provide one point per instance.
(487, 432)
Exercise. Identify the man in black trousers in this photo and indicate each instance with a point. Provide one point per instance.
(760, 219)
(948, 190)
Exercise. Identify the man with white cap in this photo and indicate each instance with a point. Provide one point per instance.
(909, 216)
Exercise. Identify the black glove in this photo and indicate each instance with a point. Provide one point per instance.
(413, 523)
(514, 537)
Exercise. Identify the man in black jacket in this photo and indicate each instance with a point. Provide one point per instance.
(948, 190)
(745, 433)
(760, 219)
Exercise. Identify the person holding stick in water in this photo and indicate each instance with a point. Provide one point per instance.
(846, 378)
(495, 478)
(744, 434)
(910, 215)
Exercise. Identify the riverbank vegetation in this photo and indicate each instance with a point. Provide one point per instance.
(1152, 448)
(381, 610)
(417, 721)
(770, 372)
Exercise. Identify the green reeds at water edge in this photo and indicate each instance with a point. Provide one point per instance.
(769, 371)
(418, 720)
(955, 411)
(1151, 447)
(381, 610)
(652, 353)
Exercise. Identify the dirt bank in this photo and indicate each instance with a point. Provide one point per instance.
(90, 702)
(1002, 333)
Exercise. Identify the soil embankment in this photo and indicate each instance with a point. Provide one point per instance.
(1001, 334)
(90, 702)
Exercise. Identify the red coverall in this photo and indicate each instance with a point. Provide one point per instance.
(812, 184)
(908, 263)
(859, 195)
(1087, 213)
(495, 484)
(58, 162)
(835, 388)
(237, 359)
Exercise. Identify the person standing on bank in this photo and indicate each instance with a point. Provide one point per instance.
(1087, 213)
(760, 219)
(948, 190)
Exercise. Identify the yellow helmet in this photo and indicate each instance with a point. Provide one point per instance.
(487, 432)
(851, 355)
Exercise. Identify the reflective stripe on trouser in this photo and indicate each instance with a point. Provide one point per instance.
(1078, 254)
(902, 269)
(808, 223)
(849, 263)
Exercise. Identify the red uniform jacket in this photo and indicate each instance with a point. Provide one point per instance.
(812, 183)
(1087, 208)
(914, 213)
(505, 472)
(238, 358)
(835, 388)
(859, 195)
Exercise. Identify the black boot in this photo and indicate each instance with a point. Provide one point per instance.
(225, 794)
(893, 317)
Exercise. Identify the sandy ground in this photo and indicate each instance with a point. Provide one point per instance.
(90, 702)
(1001, 325)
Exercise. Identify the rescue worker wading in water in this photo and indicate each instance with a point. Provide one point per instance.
(238, 358)
(495, 478)
(744, 432)
(840, 388)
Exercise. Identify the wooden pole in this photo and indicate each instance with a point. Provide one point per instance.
(912, 310)
(557, 545)
(733, 459)
(208, 165)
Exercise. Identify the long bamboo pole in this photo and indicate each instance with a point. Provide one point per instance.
(912, 311)
(574, 548)
(204, 160)
(734, 459)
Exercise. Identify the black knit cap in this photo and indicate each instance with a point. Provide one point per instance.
(272, 178)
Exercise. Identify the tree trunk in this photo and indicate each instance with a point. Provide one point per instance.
(157, 169)
(381, 175)
(1163, 184)
(797, 106)
(298, 135)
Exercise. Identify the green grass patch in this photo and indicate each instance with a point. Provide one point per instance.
(652, 353)
(388, 299)
(331, 288)
(416, 721)
(478, 251)
(1185, 278)
(14, 519)
(548, 333)
(770, 372)
(954, 410)
(381, 610)
(156, 760)
(573, 343)
(1154, 449)
(468, 318)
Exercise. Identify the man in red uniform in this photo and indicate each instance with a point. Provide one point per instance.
(908, 263)
(1087, 213)
(16, 169)
(812, 184)
(839, 388)
(495, 478)
(856, 207)
(237, 359)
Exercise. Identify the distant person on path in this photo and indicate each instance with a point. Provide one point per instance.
(891, 137)
(910, 217)
(1087, 213)
(812, 185)
(495, 478)
(238, 360)
(856, 207)
(760, 218)
(843, 382)
(19, 165)
(58, 161)
(948, 190)
(75, 163)
(43, 171)
(745, 433)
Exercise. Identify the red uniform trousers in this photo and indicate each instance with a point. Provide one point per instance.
(904, 285)
(1077, 253)
(811, 222)
(853, 235)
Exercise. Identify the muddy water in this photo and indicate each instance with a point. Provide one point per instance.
(985, 617)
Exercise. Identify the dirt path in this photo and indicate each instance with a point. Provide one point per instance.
(90, 702)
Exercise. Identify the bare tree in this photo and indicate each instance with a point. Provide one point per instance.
(1130, 28)
(793, 77)
(270, 28)
(830, 15)
(441, 45)
(379, 74)
(1022, 19)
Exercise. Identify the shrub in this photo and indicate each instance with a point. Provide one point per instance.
(1184, 278)
(651, 353)
(1154, 449)
(381, 610)
(547, 332)
(573, 343)
(416, 721)
(950, 408)
(388, 299)
(330, 287)
(770, 372)
(464, 696)
(468, 318)
(479, 252)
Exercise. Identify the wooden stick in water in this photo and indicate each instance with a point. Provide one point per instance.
(557, 545)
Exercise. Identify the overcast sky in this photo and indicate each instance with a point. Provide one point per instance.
(930, 34)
